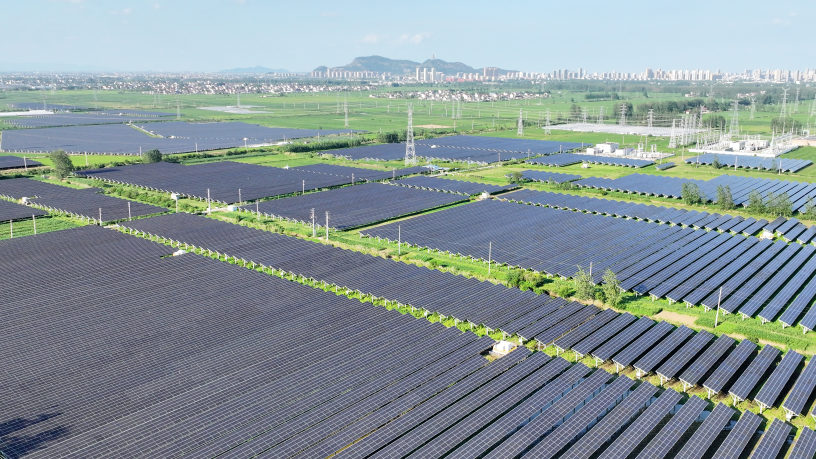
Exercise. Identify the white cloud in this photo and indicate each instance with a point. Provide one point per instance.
(781, 22)
(372, 38)
(414, 39)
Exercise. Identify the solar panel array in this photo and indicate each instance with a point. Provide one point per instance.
(671, 187)
(13, 211)
(16, 162)
(801, 392)
(84, 203)
(126, 140)
(752, 162)
(355, 206)
(681, 264)
(223, 179)
(451, 185)
(567, 159)
(772, 440)
(499, 144)
(470, 300)
(70, 119)
(549, 177)
(805, 446)
(664, 166)
(738, 438)
(772, 389)
(703, 438)
(45, 106)
(755, 373)
(358, 173)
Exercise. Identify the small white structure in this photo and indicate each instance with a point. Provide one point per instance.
(503, 347)
(232, 208)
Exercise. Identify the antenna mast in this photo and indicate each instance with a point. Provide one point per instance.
(410, 151)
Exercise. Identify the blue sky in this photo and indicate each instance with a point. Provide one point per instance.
(208, 35)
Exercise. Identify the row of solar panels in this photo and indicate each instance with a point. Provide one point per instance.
(10, 211)
(452, 185)
(740, 187)
(85, 203)
(788, 229)
(567, 159)
(664, 166)
(353, 206)
(550, 177)
(751, 162)
(718, 364)
(757, 277)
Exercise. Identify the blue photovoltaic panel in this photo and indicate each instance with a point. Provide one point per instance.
(681, 357)
(702, 439)
(626, 336)
(772, 440)
(670, 434)
(739, 437)
(642, 345)
(663, 350)
(805, 446)
(707, 361)
(642, 426)
(754, 373)
(730, 368)
(779, 378)
(802, 391)
(611, 423)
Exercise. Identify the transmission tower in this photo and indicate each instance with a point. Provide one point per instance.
(784, 113)
(673, 138)
(584, 115)
(735, 120)
(651, 120)
(796, 102)
(813, 107)
(600, 115)
(178, 109)
(410, 151)
(547, 123)
(753, 106)
(345, 111)
(520, 132)
(622, 119)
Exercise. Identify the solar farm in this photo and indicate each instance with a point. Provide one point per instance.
(318, 299)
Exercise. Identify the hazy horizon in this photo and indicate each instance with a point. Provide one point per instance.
(213, 35)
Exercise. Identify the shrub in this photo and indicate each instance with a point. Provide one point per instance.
(691, 193)
(584, 289)
(514, 278)
(564, 291)
(611, 289)
(152, 156)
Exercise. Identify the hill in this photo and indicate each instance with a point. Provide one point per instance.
(402, 67)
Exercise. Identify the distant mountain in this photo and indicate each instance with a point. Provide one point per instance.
(402, 67)
(256, 69)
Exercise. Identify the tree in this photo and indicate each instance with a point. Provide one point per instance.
(755, 203)
(611, 288)
(584, 289)
(388, 137)
(724, 199)
(62, 163)
(809, 212)
(516, 177)
(691, 193)
(514, 278)
(716, 163)
(152, 156)
(778, 205)
(774, 165)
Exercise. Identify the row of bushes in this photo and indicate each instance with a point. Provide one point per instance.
(322, 145)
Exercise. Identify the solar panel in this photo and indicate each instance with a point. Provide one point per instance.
(613, 346)
(586, 329)
(801, 393)
(16, 162)
(706, 361)
(642, 426)
(805, 446)
(705, 435)
(670, 434)
(728, 369)
(509, 423)
(754, 373)
(739, 437)
(527, 435)
(642, 344)
(596, 339)
(663, 350)
(772, 440)
(14, 211)
(451, 186)
(613, 422)
(583, 420)
(772, 388)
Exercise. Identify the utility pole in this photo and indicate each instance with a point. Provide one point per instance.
(209, 203)
(129, 215)
(410, 150)
(258, 212)
(399, 239)
(753, 107)
(34, 221)
(345, 111)
(717, 317)
(547, 123)
(783, 113)
(489, 256)
(327, 225)
(314, 229)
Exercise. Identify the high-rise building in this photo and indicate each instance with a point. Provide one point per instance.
(424, 74)
(491, 72)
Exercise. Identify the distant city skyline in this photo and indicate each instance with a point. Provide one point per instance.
(212, 35)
